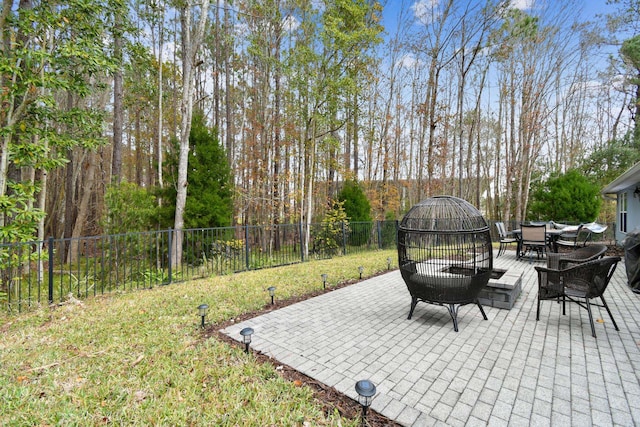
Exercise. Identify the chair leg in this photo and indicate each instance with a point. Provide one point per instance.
(538, 309)
(414, 301)
(593, 329)
(481, 310)
(453, 312)
(604, 303)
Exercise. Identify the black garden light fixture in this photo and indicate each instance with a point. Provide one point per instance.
(361, 270)
(324, 280)
(366, 390)
(272, 292)
(246, 338)
(202, 311)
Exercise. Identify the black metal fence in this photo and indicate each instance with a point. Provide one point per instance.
(55, 270)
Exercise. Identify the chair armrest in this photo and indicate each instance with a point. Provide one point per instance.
(553, 260)
(540, 269)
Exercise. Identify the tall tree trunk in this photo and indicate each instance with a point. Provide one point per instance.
(160, 145)
(88, 182)
(228, 99)
(277, 149)
(191, 41)
(118, 108)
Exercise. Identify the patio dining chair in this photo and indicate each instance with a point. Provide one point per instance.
(534, 238)
(505, 239)
(575, 239)
(580, 284)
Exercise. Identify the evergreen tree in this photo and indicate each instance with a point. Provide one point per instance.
(209, 194)
(566, 198)
(358, 209)
(356, 204)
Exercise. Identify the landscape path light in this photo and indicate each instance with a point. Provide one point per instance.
(366, 390)
(324, 280)
(246, 338)
(361, 270)
(202, 311)
(388, 263)
(272, 292)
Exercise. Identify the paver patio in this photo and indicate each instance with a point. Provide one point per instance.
(509, 370)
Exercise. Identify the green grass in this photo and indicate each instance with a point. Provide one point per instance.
(140, 358)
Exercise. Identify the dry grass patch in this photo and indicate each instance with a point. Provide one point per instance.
(141, 358)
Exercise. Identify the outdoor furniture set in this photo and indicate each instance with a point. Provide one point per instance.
(445, 257)
(543, 237)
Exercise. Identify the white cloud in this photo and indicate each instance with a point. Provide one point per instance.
(522, 4)
(426, 10)
(409, 61)
(290, 23)
(619, 82)
(241, 29)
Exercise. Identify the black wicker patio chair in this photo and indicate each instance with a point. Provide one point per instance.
(445, 254)
(579, 283)
(561, 260)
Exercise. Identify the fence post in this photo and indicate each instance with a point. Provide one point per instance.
(169, 252)
(397, 224)
(378, 222)
(301, 242)
(344, 239)
(50, 250)
(246, 245)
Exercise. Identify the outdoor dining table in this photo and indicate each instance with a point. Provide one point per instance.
(552, 234)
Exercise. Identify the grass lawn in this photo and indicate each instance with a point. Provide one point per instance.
(141, 358)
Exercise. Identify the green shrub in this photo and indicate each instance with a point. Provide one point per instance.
(567, 198)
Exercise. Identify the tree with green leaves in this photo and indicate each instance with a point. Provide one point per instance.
(52, 56)
(128, 208)
(606, 163)
(358, 210)
(630, 52)
(356, 203)
(329, 239)
(209, 195)
(193, 22)
(571, 197)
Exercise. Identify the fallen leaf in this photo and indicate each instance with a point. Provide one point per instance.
(297, 383)
(138, 360)
(140, 395)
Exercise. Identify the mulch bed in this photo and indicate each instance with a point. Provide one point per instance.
(330, 399)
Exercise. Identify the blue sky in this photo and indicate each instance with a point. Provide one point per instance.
(588, 9)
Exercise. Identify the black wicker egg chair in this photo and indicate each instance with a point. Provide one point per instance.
(445, 254)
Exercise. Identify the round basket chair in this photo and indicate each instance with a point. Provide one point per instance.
(445, 254)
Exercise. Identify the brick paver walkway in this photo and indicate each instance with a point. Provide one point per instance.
(509, 370)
